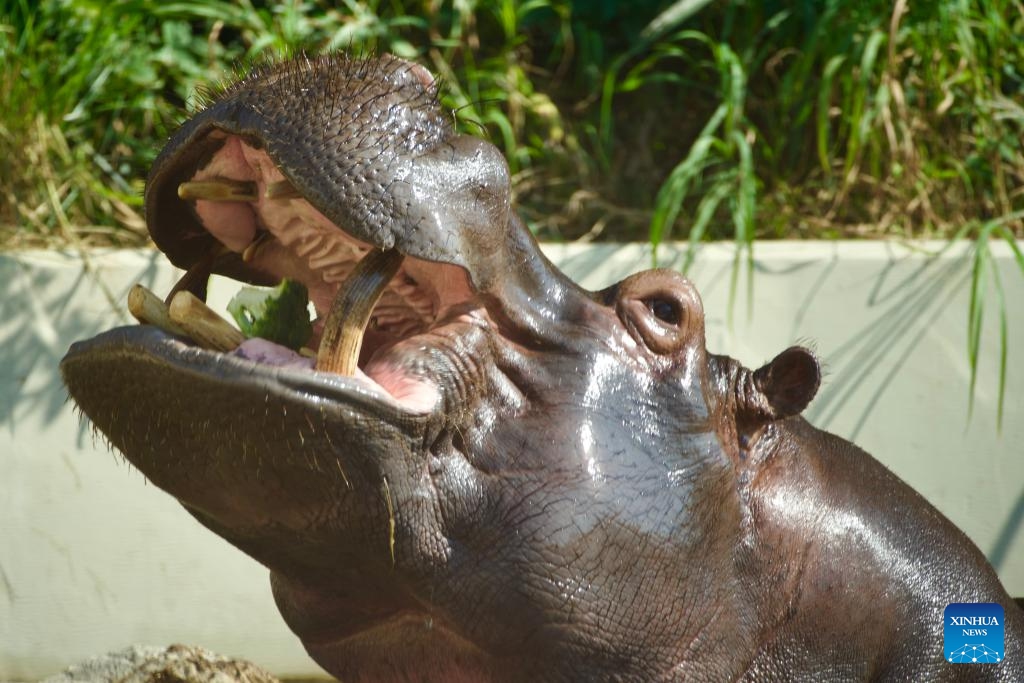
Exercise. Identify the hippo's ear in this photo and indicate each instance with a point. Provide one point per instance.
(779, 389)
(789, 381)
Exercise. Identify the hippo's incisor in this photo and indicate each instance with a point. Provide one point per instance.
(521, 480)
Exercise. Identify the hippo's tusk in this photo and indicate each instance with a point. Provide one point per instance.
(203, 324)
(282, 189)
(197, 278)
(219, 190)
(149, 309)
(350, 311)
(250, 251)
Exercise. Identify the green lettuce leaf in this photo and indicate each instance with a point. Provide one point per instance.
(279, 314)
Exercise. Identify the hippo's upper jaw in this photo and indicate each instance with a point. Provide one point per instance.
(520, 481)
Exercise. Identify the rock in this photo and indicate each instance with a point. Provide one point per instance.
(172, 664)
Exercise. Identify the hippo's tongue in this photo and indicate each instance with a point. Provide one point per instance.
(268, 353)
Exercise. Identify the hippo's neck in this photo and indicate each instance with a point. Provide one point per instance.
(832, 578)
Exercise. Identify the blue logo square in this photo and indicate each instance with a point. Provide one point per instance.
(973, 633)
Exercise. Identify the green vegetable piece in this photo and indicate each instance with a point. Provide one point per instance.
(279, 314)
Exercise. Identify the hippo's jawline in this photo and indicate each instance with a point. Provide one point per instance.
(303, 384)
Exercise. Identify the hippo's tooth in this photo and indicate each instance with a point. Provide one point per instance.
(351, 309)
(282, 189)
(197, 278)
(250, 251)
(202, 323)
(219, 190)
(149, 309)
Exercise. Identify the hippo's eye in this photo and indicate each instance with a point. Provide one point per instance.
(665, 310)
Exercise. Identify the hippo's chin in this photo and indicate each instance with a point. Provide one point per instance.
(278, 424)
(408, 647)
(404, 645)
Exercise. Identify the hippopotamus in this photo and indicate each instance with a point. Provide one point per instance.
(488, 473)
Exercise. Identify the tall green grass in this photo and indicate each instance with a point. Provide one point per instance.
(647, 119)
(94, 86)
(842, 119)
(861, 118)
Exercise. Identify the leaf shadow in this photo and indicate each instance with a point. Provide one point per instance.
(50, 302)
(874, 355)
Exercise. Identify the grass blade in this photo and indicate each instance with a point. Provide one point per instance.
(673, 192)
(705, 212)
(671, 17)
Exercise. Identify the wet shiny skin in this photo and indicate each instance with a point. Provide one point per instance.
(592, 495)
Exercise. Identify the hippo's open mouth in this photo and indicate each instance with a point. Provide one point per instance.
(357, 200)
(345, 175)
(378, 312)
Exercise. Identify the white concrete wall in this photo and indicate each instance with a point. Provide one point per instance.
(92, 558)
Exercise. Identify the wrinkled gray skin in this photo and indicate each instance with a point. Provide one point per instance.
(586, 495)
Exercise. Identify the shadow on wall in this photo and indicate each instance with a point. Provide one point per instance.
(51, 300)
(874, 356)
(1007, 533)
